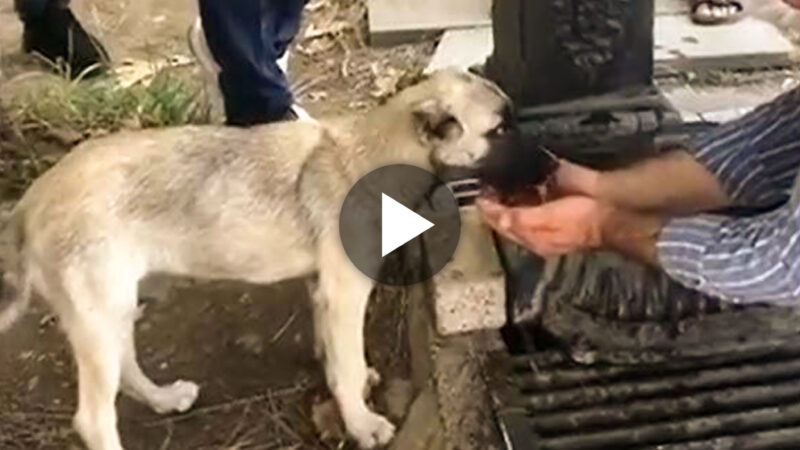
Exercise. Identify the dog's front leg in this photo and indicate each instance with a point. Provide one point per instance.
(342, 304)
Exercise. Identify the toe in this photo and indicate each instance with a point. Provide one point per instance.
(385, 432)
(373, 431)
(187, 395)
(704, 11)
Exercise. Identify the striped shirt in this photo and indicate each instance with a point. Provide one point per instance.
(745, 259)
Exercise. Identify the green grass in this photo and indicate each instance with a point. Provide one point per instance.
(99, 103)
(77, 109)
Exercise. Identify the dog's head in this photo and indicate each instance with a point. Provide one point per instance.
(455, 114)
(469, 125)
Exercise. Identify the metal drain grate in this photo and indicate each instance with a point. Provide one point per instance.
(749, 400)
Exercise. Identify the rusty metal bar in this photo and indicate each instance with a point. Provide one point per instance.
(541, 361)
(628, 391)
(785, 438)
(648, 411)
(680, 430)
(582, 376)
(759, 351)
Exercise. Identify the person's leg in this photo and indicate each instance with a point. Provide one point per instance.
(287, 24)
(51, 30)
(243, 36)
(28, 9)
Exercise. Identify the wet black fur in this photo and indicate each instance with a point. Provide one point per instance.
(515, 164)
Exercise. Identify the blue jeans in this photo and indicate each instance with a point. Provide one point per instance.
(28, 9)
(247, 37)
(53, 31)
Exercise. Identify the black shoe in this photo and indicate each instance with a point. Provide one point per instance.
(57, 35)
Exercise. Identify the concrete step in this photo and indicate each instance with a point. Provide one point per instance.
(679, 45)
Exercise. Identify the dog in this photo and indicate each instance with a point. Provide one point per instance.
(257, 204)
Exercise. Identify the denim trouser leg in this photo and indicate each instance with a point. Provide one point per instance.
(247, 37)
(29, 9)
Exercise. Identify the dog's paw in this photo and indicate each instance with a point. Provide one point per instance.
(372, 430)
(177, 397)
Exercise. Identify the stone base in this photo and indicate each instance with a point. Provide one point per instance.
(469, 294)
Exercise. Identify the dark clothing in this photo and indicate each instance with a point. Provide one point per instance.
(30, 9)
(247, 37)
(745, 259)
(51, 30)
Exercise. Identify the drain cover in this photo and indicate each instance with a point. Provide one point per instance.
(746, 400)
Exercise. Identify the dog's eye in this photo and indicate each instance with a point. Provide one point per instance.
(499, 131)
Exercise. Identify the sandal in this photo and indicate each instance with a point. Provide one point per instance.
(735, 8)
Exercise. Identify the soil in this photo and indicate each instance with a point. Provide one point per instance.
(248, 347)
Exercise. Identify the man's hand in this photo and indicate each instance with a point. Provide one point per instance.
(573, 224)
(670, 184)
(556, 228)
(573, 179)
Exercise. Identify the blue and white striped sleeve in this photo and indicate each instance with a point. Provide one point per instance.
(757, 156)
(752, 259)
(755, 259)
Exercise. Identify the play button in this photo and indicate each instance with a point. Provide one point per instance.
(399, 225)
(388, 215)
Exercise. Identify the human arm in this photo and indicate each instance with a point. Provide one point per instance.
(741, 259)
(673, 183)
(748, 162)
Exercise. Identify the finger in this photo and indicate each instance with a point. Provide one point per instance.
(534, 218)
(489, 204)
(532, 241)
(511, 236)
(543, 243)
(492, 221)
(492, 217)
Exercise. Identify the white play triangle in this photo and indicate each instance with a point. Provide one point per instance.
(399, 225)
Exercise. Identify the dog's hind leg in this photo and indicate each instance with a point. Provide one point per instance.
(340, 308)
(177, 397)
(93, 326)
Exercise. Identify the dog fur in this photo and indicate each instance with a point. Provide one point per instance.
(259, 204)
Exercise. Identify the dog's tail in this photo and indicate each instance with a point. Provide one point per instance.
(15, 295)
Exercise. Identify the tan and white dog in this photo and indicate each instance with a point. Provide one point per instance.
(259, 204)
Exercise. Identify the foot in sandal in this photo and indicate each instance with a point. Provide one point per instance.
(713, 12)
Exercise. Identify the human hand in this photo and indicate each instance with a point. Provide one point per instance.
(566, 225)
(573, 179)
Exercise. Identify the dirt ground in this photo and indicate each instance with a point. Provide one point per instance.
(248, 347)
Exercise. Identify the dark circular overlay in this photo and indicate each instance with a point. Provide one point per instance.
(420, 258)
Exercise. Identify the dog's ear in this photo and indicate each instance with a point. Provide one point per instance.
(434, 124)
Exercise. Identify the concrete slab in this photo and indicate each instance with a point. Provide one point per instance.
(391, 16)
(724, 103)
(462, 48)
(671, 7)
(469, 294)
(680, 44)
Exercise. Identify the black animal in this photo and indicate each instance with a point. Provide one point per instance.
(516, 166)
